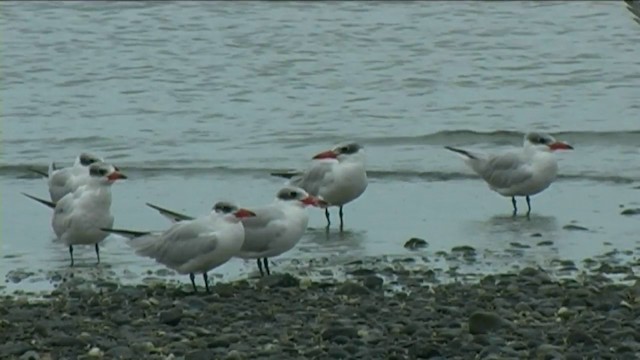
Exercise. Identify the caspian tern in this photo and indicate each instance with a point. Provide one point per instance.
(67, 180)
(193, 246)
(274, 230)
(78, 216)
(338, 176)
(519, 172)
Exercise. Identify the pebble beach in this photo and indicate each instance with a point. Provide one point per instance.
(379, 309)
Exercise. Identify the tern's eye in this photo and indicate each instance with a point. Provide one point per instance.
(102, 172)
(293, 194)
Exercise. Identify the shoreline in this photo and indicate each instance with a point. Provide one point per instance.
(385, 312)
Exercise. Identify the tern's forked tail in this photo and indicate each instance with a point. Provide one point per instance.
(461, 152)
(126, 233)
(285, 174)
(39, 172)
(171, 215)
(48, 203)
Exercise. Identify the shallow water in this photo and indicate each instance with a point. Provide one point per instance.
(200, 101)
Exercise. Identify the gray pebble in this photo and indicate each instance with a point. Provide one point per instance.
(483, 322)
(373, 282)
(351, 288)
(171, 317)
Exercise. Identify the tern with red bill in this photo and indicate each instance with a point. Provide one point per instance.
(67, 180)
(519, 172)
(193, 246)
(275, 229)
(79, 215)
(338, 176)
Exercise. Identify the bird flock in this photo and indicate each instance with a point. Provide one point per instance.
(80, 197)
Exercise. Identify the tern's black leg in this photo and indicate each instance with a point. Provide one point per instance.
(341, 219)
(71, 253)
(260, 267)
(98, 253)
(515, 208)
(326, 214)
(266, 266)
(206, 281)
(193, 281)
(528, 205)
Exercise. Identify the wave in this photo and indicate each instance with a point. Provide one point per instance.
(24, 171)
(446, 137)
(462, 137)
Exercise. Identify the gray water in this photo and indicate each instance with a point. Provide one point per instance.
(200, 101)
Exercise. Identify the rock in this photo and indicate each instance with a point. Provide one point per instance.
(350, 288)
(545, 243)
(336, 352)
(536, 235)
(95, 352)
(415, 244)
(224, 340)
(119, 318)
(66, 341)
(120, 352)
(201, 355)
(484, 322)
(334, 331)
(579, 336)
(423, 351)
(361, 272)
(465, 249)
(629, 212)
(279, 280)
(171, 317)
(373, 282)
(572, 227)
(30, 355)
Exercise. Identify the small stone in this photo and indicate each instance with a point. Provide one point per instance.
(518, 245)
(545, 243)
(279, 280)
(333, 332)
(483, 322)
(95, 352)
(579, 336)
(564, 313)
(120, 352)
(536, 235)
(201, 355)
(572, 227)
(224, 340)
(465, 249)
(66, 341)
(415, 244)
(30, 355)
(421, 350)
(361, 272)
(350, 288)
(171, 317)
(373, 282)
(629, 212)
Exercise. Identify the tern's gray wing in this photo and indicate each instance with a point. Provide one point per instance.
(504, 170)
(268, 224)
(180, 244)
(318, 176)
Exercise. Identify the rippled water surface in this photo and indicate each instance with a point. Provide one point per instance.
(199, 101)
